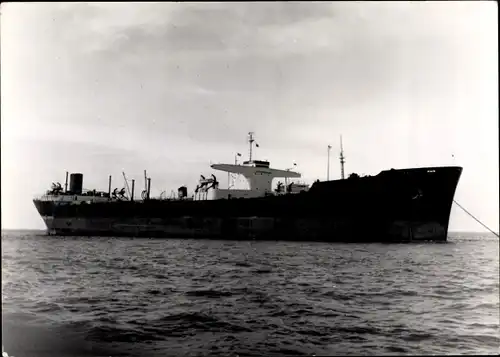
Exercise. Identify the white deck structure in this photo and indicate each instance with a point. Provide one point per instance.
(259, 176)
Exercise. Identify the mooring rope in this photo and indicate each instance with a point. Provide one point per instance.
(478, 221)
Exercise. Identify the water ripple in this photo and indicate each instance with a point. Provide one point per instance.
(128, 297)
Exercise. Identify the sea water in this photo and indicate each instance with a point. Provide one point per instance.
(172, 297)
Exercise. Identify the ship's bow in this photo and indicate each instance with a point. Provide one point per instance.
(422, 205)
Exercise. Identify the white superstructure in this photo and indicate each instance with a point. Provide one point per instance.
(74, 199)
(260, 177)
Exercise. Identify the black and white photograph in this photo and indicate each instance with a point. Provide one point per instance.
(249, 178)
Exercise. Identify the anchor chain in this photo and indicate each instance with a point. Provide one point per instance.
(481, 223)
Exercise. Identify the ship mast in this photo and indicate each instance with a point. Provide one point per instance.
(328, 164)
(342, 159)
(251, 140)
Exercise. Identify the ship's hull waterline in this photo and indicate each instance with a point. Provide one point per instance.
(394, 206)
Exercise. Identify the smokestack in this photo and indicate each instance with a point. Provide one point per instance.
(76, 183)
(66, 184)
(149, 188)
(109, 188)
(132, 193)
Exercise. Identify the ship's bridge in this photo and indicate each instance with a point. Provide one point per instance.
(257, 163)
(259, 176)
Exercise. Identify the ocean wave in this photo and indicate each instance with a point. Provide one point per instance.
(125, 297)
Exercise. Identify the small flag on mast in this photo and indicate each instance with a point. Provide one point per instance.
(238, 154)
(256, 145)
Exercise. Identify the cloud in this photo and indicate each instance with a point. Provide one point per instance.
(196, 69)
(128, 29)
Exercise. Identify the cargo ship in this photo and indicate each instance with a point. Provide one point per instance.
(396, 205)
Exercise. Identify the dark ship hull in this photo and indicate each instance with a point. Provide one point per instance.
(393, 206)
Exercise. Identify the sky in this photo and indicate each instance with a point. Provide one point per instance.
(102, 88)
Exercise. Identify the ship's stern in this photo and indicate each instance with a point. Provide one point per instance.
(46, 210)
